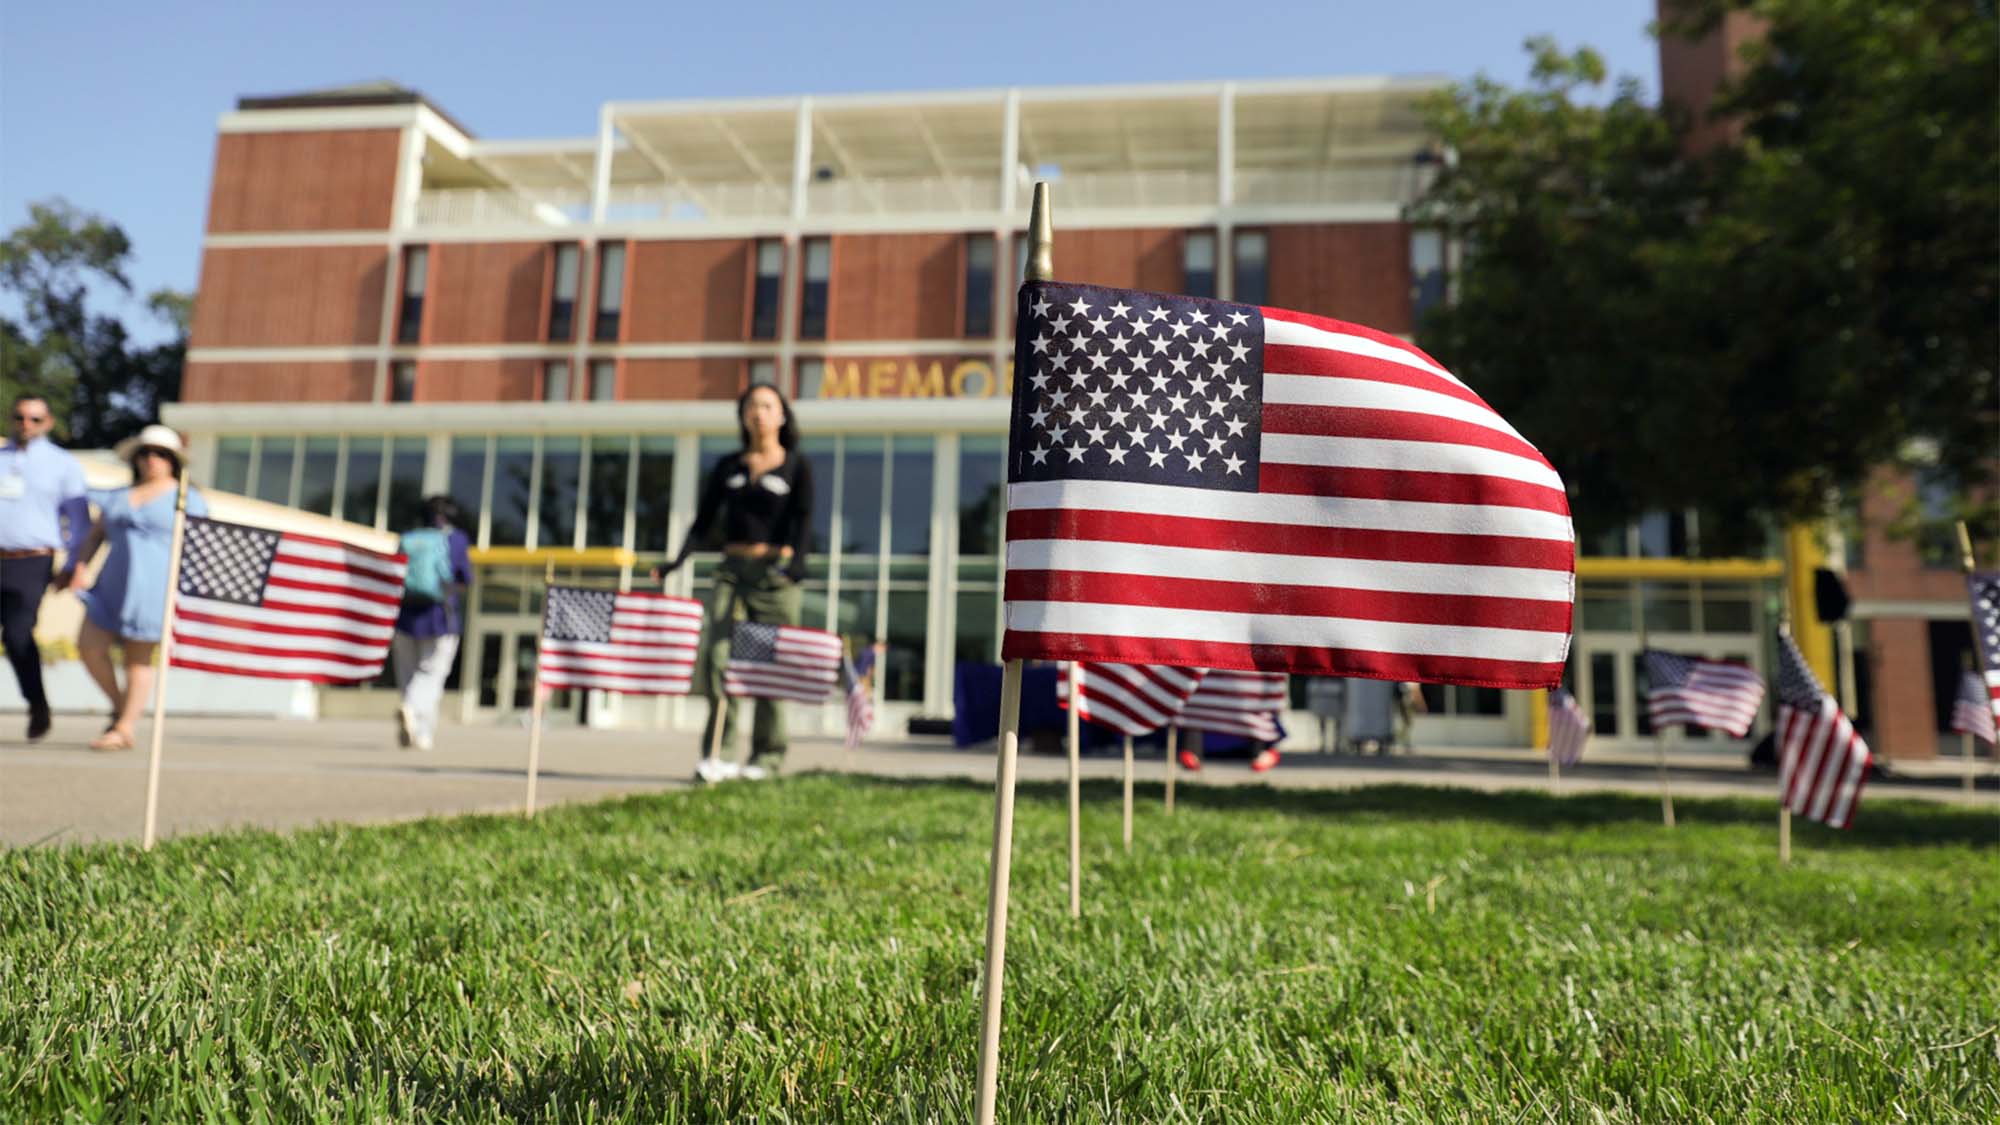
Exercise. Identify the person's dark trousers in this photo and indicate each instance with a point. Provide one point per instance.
(22, 582)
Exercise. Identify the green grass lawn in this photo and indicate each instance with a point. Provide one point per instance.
(809, 950)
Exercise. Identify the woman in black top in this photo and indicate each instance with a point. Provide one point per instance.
(758, 501)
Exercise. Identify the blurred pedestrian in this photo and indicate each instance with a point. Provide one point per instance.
(126, 605)
(438, 570)
(759, 501)
(42, 510)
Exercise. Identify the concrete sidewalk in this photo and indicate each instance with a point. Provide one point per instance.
(226, 773)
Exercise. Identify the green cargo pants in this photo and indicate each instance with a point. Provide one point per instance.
(745, 590)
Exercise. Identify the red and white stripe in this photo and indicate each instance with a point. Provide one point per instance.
(654, 643)
(1401, 530)
(1718, 694)
(327, 615)
(1245, 704)
(1823, 763)
(806, 667)
(1132, 699)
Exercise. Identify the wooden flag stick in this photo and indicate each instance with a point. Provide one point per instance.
(1128, 792)
(1965, 754)
(1075, 793)
(1784, 832)
(537, 710)
(996, 903)
(1041, 267)
(1666, 787)
(1173, 763)
(1968, 563)
(161, 664)
(1555, 772)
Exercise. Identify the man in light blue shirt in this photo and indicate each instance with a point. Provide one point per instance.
(42, 511)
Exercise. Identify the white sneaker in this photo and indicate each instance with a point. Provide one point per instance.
(715, 770)
(406, 721)
(752, 773)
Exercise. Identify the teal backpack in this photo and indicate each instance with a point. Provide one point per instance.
(427, 576)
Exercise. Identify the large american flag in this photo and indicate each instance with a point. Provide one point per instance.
(1984, 589)
(284, 606)
(1694, 691)
(1239, 703)
(1204, 484)
(1822, 762)
(1569, 728)
(1132, 699)
(636, 642)
(781, 662)
(1972, 710)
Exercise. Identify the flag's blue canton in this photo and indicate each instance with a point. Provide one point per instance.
(226, 562)
(755, 643)
(580, 615)
(1116, 385)
(1797, 686)
(1667, 669)
(1985, 589)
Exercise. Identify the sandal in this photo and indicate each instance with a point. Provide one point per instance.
(112, 739)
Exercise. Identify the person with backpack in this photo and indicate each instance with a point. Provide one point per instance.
(438, 568)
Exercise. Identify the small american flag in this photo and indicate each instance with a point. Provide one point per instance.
(638, 643)
(860, 697)
(1204, 484)
(1972, 711)
(1132, 699)
(1693, 691)
(1239, 703)
(1822, 762)
(1569, 728)
(781, 662)
(1984, 589)
(283, 606)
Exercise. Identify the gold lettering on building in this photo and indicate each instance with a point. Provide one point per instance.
(911, 378)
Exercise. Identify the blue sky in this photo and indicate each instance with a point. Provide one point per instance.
(113, 105)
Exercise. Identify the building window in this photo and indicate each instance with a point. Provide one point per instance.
(416, 275)
(555, 381)
(562, 296)
(1198, 263)
(653, 493)
(812, 374)
(1252, 251)
(1427, 276)
(603, 380)
(978, 285)
(562, 470)
(763, 372)
(764, 296)
(812, 308)
(232, 465)
(319, 465)
(610, 480)
(274, 469)
(403, 381)
(610, 289)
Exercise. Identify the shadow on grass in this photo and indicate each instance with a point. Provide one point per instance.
(1883, 822)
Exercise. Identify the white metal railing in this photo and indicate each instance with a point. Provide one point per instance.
(1382, 183)
(696, 203)
(1116, 190)
(501, 207)
(903, 196)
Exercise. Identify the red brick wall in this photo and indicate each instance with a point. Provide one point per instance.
(688, 291)
(682, 378)
(340, 381)
(1358, 272)
(487, 293)
(896, 287)
(290, 296)
(1691, 70)
(479, 380)
(344, 180)
(1903, 715)
(1129, 259)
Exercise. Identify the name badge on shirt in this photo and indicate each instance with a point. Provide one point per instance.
(13, 486)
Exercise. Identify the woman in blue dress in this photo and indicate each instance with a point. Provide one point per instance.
(126, 603)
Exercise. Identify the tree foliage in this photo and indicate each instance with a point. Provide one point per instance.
(100, 384)
(1741, 331)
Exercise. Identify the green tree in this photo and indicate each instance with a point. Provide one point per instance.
(100, 384)
(1746, 330)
